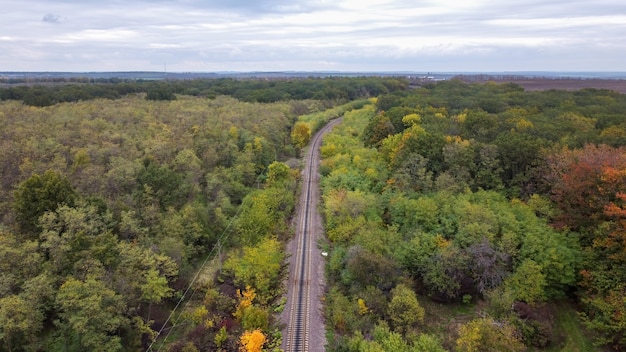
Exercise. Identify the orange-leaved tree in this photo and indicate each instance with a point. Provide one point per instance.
(584, 181)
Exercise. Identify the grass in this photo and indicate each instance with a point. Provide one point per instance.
(443, 320)
(572, 334)
(569, 334)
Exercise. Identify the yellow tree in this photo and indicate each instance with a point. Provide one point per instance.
(252, 341)
(486, 334)
(301, 134)
(245, 300)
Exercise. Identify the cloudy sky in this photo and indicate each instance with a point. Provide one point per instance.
(313, 35)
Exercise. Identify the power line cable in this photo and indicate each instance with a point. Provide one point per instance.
(222, 237)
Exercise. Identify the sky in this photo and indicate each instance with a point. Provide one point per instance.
(313, 35)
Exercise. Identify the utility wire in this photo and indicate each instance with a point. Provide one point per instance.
(222, 237)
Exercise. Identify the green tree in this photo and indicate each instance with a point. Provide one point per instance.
(528, 283)
(12, 252)
(160, 91)
(427, 343)
(365, 268)
(340, 312)
(154, 289)
(378, 128)
(557, 255)
(404, 309)
(90, 315)
(278, 174)
(72, 234)
(39, 194)
(131, 269)
(255, 318)
(259, 267)
(264, 212)
(20, 322)
(605, 315)
(159, 183)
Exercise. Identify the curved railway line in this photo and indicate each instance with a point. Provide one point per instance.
(303, 279)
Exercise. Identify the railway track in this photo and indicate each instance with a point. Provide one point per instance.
(302, 278)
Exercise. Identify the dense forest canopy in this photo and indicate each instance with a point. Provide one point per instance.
(505, 203)
(250, 90)
(459, 216)
(114, 194)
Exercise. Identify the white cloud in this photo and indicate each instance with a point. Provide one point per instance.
(198, 35)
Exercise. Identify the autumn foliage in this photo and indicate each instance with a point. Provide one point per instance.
(252, 341)
(585, 181)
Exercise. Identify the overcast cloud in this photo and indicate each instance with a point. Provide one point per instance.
(313, 35)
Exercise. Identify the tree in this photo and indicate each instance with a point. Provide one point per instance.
(71, 234)
(245, 301)
(258, 267)
(528, 283)
(411, 119)
(445, 270)
(487, 335)
(390, 341)
(19, 261)
(341, 206)
(278, 174)
(264, 212)
(182, 234)
(160, 184)
(301, 134)
(603, 279)
(427, 343)
(90, 315)
(488, 169)
(579, 185)
(255, 318)
(154, 289)
(413, 175)
(520, 156)
(365, 268)
(160, 91)
(20, 321)
(39, 194)
(131, 268)
(605, 315)
(252, 341)
(404, 309)
(556, 254)
(615, 240)
(378, 128)
(489, 267)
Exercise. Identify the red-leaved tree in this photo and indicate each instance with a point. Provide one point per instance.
(585, 181)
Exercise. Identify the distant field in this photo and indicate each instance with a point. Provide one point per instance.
(535, 84)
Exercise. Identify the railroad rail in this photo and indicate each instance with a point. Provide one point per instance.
(299, 296)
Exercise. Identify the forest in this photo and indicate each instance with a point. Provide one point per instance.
(150, 217)
(459, 217)
(46, 93)
(467, 217)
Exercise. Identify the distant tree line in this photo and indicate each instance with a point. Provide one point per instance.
(249, 90)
